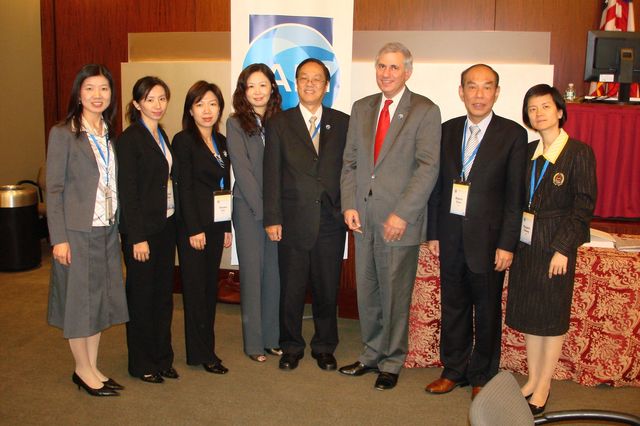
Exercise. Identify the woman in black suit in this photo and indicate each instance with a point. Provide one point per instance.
(561, 193)
(204, 226)
(148, 230)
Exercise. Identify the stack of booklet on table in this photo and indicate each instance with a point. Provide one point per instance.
(605, 240)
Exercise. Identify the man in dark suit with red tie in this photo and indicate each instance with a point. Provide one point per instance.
(302, 161)
(475, 213)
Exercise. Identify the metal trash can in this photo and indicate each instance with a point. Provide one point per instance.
(19, 239)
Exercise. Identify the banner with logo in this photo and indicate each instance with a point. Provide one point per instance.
(282, 33)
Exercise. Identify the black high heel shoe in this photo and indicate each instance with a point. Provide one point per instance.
(103, 391)
(535, 410)
(112, 384)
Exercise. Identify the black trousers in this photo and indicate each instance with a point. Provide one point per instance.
(471, 321)
(319, 268)
(149, 288)
(199, 272)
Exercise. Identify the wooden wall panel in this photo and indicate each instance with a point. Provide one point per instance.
(213, 15)
(49, 66)
(371, 15)
(97, 30)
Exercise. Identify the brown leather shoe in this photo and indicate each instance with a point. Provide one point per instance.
(475, 391)
(442, 385)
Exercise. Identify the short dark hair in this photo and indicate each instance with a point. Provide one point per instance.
(327, 75)
(74, 110)
(463, 75)
(542, 90)
(194, 95)
(140, 92)
(243, 109)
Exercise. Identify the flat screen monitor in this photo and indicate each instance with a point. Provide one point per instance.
(613, 56)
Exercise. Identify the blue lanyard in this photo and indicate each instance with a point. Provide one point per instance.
(163, 145)
(464, 146)
(217, 155)
(315, 132)
(533, 186)
(104, 160)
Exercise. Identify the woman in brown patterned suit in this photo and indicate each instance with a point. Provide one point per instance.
(561, 195)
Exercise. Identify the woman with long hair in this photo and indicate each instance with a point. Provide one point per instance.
(204, 226)
(86, 293)
(255, 100)
(147, 194)
(561, 194)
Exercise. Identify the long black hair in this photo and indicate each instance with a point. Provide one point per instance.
(243, 110)
(74, 110)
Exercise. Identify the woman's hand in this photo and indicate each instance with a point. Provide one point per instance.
(198, 241)
(228, 237)
(62, 253)
(558, 264)
(141, 251)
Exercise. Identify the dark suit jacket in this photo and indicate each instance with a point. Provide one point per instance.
(496, 195)
(142, 183)
(199, 178)
(297, 181)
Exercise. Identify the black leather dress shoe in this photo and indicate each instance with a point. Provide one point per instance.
(326, 361)
(112, 384)
(386, 381)
(170, 373)
(273, 351)
(289, 361)
(216, 368)
(152, 378)
(357, 369)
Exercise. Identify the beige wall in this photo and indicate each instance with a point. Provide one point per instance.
(21, 107)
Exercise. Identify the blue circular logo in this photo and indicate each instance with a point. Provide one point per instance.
(283, 47)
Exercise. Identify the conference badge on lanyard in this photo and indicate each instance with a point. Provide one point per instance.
(459, 197)
(528, 218)
(221, 206)
(526, 229)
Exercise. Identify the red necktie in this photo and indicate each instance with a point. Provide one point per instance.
(381, 132)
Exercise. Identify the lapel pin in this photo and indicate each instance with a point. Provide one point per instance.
(224, 152)
(400, 116)
(558, 179)
(327, 127)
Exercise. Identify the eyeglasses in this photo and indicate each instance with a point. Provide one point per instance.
(317, 82)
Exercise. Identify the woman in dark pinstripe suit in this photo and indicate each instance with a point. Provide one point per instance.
(561, 194)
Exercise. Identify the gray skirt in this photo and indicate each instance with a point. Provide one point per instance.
(88, 296)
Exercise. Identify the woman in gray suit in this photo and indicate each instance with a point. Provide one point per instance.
(86, 293)
(255, 100)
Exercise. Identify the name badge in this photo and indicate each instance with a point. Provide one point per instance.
(221, 206)
(108, 205)
(459, 197)
(526, 230)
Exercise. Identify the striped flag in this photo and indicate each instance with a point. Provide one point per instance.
(617, 15)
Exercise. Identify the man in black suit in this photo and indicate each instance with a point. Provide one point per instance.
(302, 163)
(473, 226)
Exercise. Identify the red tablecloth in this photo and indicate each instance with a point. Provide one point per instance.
(603, 342)
(613, 131)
